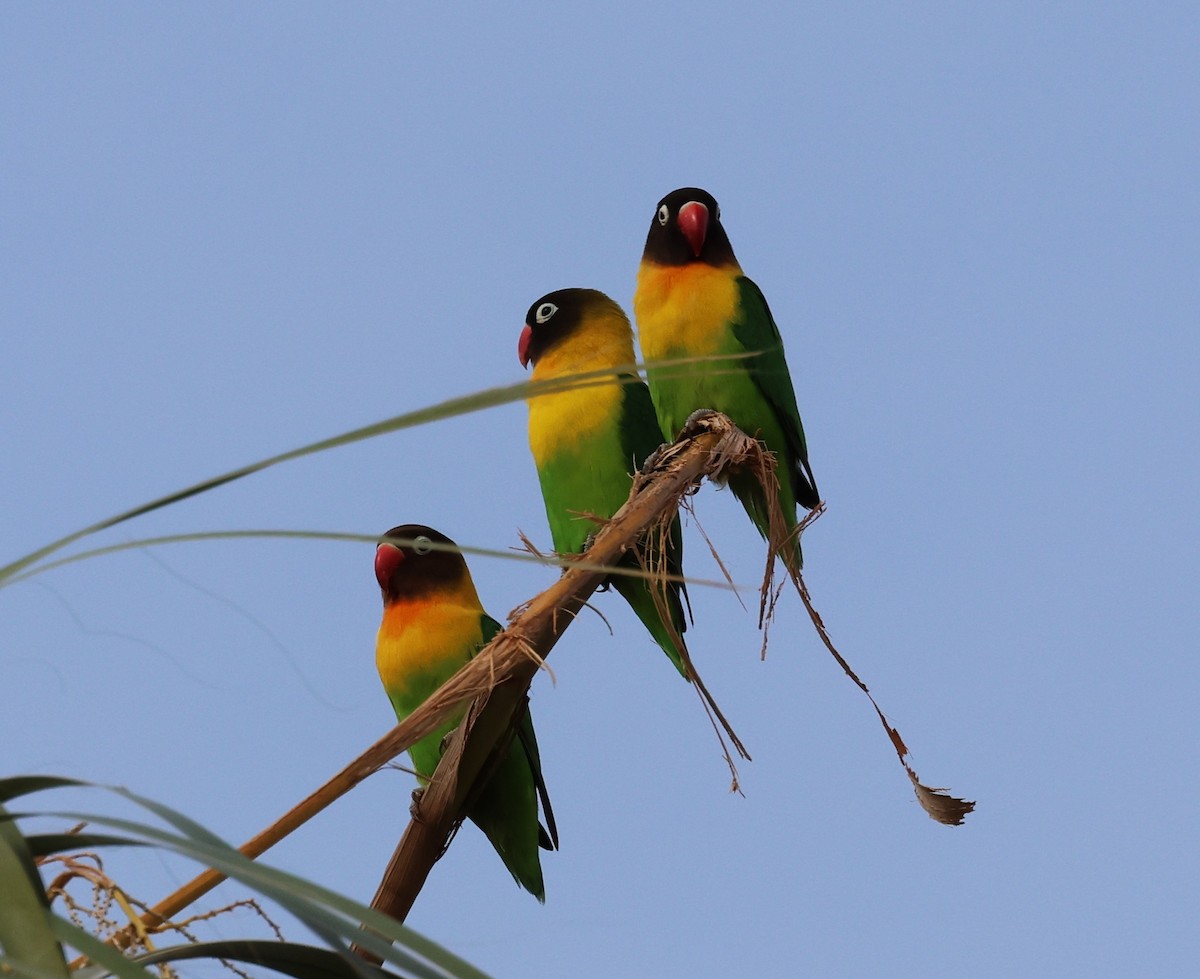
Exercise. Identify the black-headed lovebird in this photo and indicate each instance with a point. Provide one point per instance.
(587, 442)
(692, 301)
(432, 624)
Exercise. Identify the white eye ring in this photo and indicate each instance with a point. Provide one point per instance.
(663, 215)
(544, 312)
(422, 545)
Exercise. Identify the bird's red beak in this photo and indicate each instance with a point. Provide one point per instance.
(388, 557)
(523, 345)
(693, 223)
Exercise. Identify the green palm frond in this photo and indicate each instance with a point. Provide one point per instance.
(32, 937)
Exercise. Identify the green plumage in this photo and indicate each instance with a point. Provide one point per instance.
(693, 301)
(509, 799)
(587, 448)
(595, 477)
(429, 630)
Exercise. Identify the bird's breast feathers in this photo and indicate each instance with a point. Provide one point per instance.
(569, 420)
(565, 420)
(422, 637)
(685, 311)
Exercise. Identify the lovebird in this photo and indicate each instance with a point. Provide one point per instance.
(588, 442)
(692, 300)
(432, 624)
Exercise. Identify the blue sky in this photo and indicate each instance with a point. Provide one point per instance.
(230, 230)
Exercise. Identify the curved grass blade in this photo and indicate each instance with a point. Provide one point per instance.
(48, 844)
(15, 786)
(26, 936)
(296, 960)
(451, 408)
(315, 906)
(299, 961)
(107, 960)
(16, 967)
(333, 917)
(552, 560)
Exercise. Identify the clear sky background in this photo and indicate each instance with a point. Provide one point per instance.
(229, 230)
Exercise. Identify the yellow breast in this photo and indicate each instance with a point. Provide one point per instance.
(562, 420)
(425, 636)
(684, 310)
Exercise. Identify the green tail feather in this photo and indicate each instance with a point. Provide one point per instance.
(637, 592)
(747, 489)
(503, 811)
(506, 807)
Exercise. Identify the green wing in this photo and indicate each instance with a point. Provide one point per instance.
(640, 436)
(548, 834)
(593, 476)
(589, 476)
(755, 329)
(490, 629)
(506, 806)
(527, 739)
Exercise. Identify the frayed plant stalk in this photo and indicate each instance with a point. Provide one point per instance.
(655, 541)
(944, 808)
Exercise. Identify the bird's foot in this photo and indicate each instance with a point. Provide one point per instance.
(660, 455)
(655, 459)
(587, 546)
(696, 417)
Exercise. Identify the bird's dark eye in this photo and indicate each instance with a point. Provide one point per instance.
(663, 215)
(422, 545)
(544, 312)
(717, 213)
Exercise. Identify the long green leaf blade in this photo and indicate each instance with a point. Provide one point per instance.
(289, 958)
(451, 408)
(335, 918)
(297, 960)
(48, 844)
(107, 958)
(26, 936)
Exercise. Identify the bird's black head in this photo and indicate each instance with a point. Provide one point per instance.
(414, 565)
(686, 228)
(555, 317)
